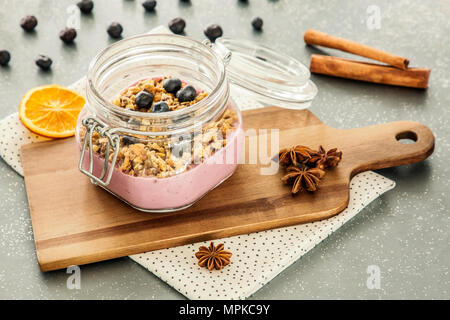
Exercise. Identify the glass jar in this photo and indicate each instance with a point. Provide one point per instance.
(166, 161)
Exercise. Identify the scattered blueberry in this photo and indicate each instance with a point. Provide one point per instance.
(177, 25)
(86, 6)
(68, 35)
(4, 58)
(115, 30)
(257, 23)
(213, 32)
(28, 23)
(43, 62)
(172, 85)
(160, 107)
(149, 5)
(186, 94)
(144, 100)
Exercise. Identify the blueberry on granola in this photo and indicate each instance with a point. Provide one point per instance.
(149, 5)
(68, 35)
(115, 30)
(28, 23)
(144, 100)
(43, 62)
(213, 32)
(134, 122)
(186, 94)
(127, 140)
(181, 119)
(5, 56)
(86, 6)
(177, 25)
(177, 150)
(172, 85)
(161, 106)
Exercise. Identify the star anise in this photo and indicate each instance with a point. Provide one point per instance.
(326, 159)
(295, 155)
(303, 178)
(213, 257)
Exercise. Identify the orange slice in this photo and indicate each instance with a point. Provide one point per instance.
(51, 111)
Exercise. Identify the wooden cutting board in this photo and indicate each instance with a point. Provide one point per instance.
(76, 223)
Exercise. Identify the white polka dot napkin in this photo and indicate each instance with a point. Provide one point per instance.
(257, 257)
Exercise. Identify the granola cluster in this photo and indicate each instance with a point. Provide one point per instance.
(165, 156)
(127, 98)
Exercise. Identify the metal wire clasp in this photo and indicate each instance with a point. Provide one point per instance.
(94, 125)
(220, 49)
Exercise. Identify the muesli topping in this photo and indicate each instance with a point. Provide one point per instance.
(162, 90)
(164, 156)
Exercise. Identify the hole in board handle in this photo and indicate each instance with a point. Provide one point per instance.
(406, 137)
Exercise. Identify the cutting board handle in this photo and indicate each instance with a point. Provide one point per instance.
(382, 148)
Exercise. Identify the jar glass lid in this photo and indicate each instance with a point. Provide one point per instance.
(270, 77)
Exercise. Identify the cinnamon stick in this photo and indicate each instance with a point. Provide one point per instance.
(370, 72)
(313, 37)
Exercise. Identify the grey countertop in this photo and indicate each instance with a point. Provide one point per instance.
(405, 232)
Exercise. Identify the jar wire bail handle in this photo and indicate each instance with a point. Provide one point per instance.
(93, 125)
(224, 53)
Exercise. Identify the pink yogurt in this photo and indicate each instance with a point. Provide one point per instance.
(175, 192)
